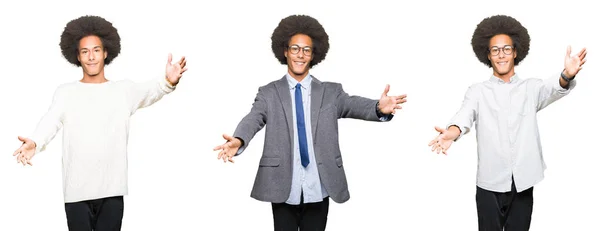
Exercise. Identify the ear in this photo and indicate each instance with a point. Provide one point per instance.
(285, 53)
(105, 54)
(515, 54)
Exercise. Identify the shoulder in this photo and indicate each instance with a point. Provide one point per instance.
(64, 88)
(328, 85)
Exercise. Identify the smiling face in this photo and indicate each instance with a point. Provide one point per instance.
(91, 56)
(299, 63)
(502, 63)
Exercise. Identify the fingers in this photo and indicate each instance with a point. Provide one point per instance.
(434, 145)
(182, 71)
(400, 97)
(22, 139)
(227, 137)
(17, 152)
(432, 142)
(386, 90)
(23, 160)
(221, 155)
(218, 148)
(440, 130)
(182, 61)
(582, 53)
(170, 59)
(568, 51)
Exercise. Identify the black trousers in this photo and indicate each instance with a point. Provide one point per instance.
(305, 216)
(103, 214)
(509, 211)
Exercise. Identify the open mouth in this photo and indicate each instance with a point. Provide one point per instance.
(299, 63)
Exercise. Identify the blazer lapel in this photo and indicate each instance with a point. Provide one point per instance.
(283, 90)
(316, 99)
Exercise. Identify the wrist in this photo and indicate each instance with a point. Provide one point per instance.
(378, 110)
(564, 75)
(239, 142)
(171, 84)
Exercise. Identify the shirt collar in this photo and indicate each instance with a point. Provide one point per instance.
(292, 82)
(495, 79)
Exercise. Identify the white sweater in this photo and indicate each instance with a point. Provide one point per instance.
(95, 118)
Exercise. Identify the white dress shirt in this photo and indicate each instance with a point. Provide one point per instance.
(508, 140)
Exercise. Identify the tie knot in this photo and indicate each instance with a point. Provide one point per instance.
(298, 86)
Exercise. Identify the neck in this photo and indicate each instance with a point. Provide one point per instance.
(506, 77)
(98, 78)
(298, 78)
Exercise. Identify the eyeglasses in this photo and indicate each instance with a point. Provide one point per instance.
(294, 49)
(508, 49)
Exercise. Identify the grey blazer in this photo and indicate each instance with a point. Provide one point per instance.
(273, 108)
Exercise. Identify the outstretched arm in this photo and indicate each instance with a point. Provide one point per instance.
(146, 94)
(45, 131)
(551, 90)
(459, 125)
(245, 131)
(358, 107)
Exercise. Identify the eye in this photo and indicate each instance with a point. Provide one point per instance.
(508, 49)
(494, 50)
(307, 50)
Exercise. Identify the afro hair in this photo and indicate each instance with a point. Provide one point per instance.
(88, 25)
(495, 25)
(300, 24)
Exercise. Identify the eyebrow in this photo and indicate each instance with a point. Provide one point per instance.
(92, 48)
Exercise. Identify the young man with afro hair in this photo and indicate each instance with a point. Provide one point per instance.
(301, 166)
(504, 109)
(94, 114)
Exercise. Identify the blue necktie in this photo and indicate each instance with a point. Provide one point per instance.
(301, 127)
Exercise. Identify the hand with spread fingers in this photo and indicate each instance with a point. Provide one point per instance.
(174, 71)
(26, 151)
(573, 64)
(444, 140)
(389, 104)
(228, 150)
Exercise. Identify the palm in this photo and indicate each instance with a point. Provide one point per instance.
(26, 151)
(228, 150)
(442, 142)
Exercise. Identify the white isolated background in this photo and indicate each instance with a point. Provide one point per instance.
(421, 48)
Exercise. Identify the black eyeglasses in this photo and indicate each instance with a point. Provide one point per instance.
(294, 49)
(508, 49)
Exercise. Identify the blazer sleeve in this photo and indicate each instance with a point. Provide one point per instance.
(253, 121)
(357, 107)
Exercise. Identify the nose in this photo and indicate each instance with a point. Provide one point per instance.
(300, 54)
(91, 56)
(501, 54)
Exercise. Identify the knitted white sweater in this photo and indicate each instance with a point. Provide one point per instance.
(95, 122)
